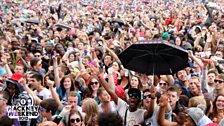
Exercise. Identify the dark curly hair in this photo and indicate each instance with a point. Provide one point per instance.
(109, 119)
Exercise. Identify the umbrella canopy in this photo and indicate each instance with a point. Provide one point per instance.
(62, 25)
(154, 57)
(119, 21)
(34, 21)
(22, 20)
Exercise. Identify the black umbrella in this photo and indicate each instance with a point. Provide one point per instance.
(33, 21)
(154, 57)
(63, 25)
(119, 21)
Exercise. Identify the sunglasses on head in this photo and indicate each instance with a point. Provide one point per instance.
(3, 99)
(147, 96)
(42, 109)
(218, 81)
(91, 83)
(134, 95)
(75, 120)
(164, 84)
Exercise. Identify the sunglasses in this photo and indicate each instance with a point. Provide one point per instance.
(147, 96)
(42, 109)
(75, 120)
(134, 95)
(37, 55)
(91, 83)
(164, 84)
(218, 81)
(3, 99)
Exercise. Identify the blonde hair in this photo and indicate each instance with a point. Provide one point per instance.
(91, 110)
(197, 101)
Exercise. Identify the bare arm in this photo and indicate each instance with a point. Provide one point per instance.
(170, 79)
(161, 115)
(56, 72)
(150, 109)
(105, 84)
(54, 94)
(29, 91)
(204, 81)
(109, 90)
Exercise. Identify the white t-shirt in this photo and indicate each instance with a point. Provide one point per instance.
(44, 94)
(113, 107)
(132, 118)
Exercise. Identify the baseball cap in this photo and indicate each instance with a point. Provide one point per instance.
(135, 91)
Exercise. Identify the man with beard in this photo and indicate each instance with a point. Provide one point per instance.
(211, 77)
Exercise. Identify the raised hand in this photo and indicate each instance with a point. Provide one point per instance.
(163, 102)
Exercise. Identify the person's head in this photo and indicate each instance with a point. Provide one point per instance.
(134, 98)
(15, 45)
(218, 103)
(116, 66)
(35, 80)
(49, 47)
(108, 59)
(194, 84)
(86, 60)
(90, 107)
(47, 123)
(219, 82)
(109, 119)
(48, 107)
(67, 84)
(135, 82)
(182, 75)
(80, 46)
(37, 54)
(103, 95)
(59, 48)
(93, 85)
(11, 88)
(219, 54)
(19, 69)
(173, 95)
(194, 115)
(3, 103)
(146, 97)
(72, 99)
(36, 63)
(75, 118)
(211, 76)
(197, 101)
(71, 56)
(178, 41)
(163, 84)
(48, 76)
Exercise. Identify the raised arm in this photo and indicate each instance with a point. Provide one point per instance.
(54, 94)
(161, 115)
(150, 109)
(105, 84)
(29, 91)
(56, 72)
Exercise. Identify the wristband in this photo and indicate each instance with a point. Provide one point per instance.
(99, 76)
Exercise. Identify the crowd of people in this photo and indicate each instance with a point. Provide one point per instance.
(59, 63)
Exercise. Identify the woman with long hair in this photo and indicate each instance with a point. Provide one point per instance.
(93, 86)
(135, 82)
(90, 107)
(218, 109)
(75, 118)
(66, 85)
